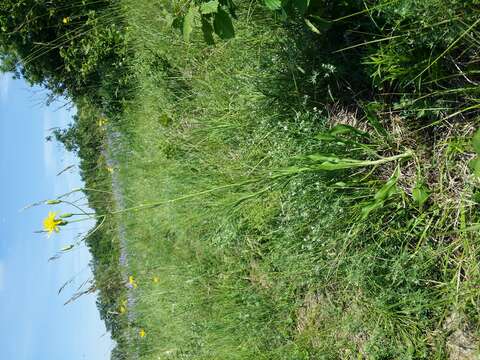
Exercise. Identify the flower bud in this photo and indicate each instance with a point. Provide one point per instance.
(53, 202)
(68, 247)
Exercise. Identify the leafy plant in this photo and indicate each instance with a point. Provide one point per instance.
(66, 47)
(420, 194)
(213, 17)
(385, 193)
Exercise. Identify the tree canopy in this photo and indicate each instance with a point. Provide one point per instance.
(63, 45)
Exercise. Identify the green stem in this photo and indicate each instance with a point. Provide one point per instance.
(352, 164)
(406, 154)
(76, 207)
(92, 216)
(155, 204)
(347, 164)
(448, 49)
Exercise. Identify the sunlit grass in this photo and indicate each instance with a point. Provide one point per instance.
(287, 194)
(289, 267)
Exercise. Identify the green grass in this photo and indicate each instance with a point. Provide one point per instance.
(307, 256)
(305, 189)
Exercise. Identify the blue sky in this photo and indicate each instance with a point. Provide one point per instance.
(35, 325)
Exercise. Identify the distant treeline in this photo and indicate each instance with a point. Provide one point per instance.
(76, 49)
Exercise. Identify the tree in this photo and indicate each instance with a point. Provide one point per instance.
(62, 45)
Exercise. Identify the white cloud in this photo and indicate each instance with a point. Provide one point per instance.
(5, 80)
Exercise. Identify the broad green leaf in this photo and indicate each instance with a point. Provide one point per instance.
(207, 30)
(273, 4)
(209, 7)
(222, 25)
(189, 23)
(389, 188)
(386, 191)
(476, 141)
(420, 194)
(367, 209)
(322, 157)
(301, 5)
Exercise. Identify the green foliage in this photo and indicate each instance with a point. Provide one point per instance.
(476, 141)
(291, 255)
(188, 23)
(329, 142)
(273, 4)
(222, 24)
(69, 47)
(420, 194)
(426, 47)
(209, 7)
(213, 17)
(386, 192)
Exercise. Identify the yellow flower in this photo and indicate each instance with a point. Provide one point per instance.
(51, 223)
(122, 309)
(156, 279)
(110, 169)
(66, 20)
(132, 282)
(142, 333)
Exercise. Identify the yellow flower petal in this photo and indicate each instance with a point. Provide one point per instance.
(131, 281)
(51, 223)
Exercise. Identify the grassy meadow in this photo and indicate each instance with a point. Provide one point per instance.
(314, 177)
(318, 204)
